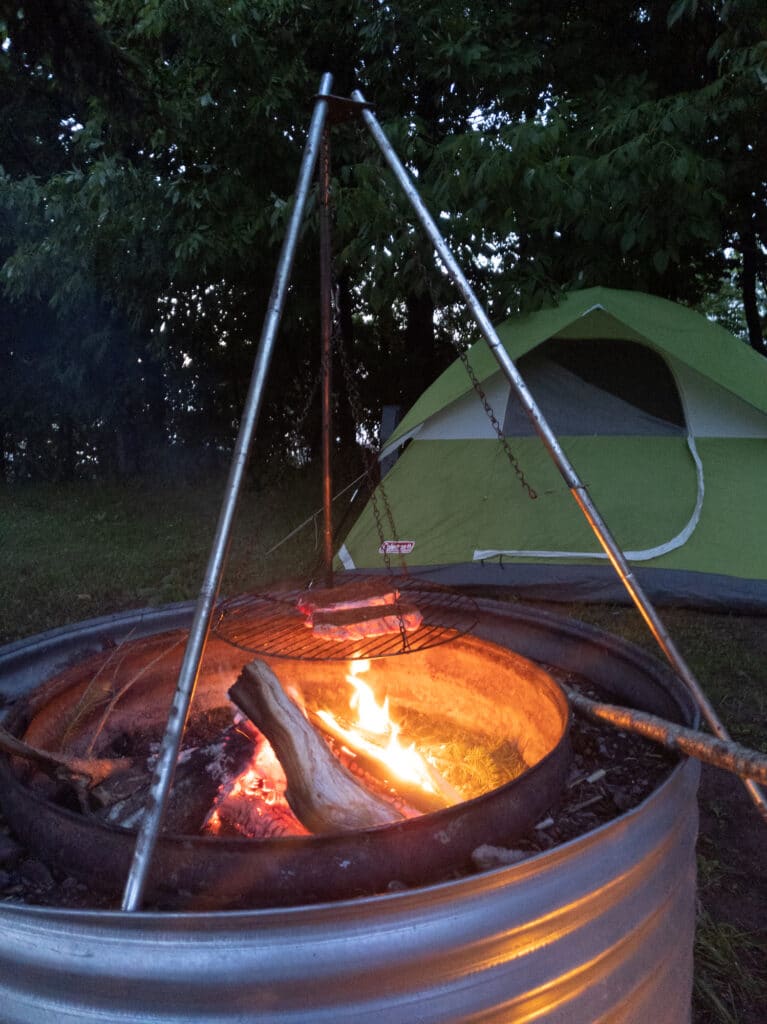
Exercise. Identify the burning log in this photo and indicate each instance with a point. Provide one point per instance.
(324, 796)
(732, 757)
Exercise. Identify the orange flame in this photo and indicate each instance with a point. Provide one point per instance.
(256, 794)
(377, 735)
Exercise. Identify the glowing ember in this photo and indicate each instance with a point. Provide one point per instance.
(377, 736)
(254, 802)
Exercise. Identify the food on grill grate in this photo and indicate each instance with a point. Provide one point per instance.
(350, 595)
(361, 622)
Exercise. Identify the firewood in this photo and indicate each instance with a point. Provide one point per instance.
(77, 771)
(323, 795)
(196, 784)
(732, 757)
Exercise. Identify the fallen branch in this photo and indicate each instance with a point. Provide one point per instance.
(323, 795)
(732, 757)
(78, 771)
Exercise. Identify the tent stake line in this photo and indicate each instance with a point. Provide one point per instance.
(576, 487)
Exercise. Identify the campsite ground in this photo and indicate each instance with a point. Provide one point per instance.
(76, 551)
(728, 654)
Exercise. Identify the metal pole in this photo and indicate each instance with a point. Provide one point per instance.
(327, 354)
(576, 486)
(198, 634)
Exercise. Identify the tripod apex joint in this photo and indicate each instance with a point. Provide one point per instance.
(342, 108)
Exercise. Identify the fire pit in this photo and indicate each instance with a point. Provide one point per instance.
(494, 723)
(599, 927)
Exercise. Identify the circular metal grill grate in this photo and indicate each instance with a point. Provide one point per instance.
(271, 623)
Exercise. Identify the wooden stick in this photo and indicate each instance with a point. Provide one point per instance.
(732, 757)
(323, 795)
(78, 770)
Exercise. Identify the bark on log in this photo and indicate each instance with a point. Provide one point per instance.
(323, 795)
(732, 757)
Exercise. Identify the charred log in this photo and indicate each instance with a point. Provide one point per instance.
(196, 784)
(324, 796)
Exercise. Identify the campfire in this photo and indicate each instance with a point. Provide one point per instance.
(332, 772)
(299, 779)
(633, 877)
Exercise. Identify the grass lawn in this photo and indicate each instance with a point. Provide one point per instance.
(77, 551)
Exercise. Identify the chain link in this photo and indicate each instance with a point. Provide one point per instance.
(531, 492)
(374, 488)
(451, 333)
(356, 405)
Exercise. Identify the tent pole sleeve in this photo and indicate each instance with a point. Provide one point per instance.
(200, 628)
(575, 485)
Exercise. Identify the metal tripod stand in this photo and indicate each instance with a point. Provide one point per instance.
(162, 781)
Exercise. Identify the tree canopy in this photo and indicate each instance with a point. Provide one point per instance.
(149, 150)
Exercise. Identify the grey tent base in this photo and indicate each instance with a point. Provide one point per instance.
(598, 583)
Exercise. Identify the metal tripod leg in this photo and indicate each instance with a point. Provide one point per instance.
(576, 486)
(198, 636)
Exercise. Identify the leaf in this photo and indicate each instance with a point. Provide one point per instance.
(680, 168)
(660, 261)
(679, 9)
(628, 240)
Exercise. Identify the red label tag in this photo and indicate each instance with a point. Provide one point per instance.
(396, 547)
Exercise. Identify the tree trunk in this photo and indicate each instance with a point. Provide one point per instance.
(748, 286)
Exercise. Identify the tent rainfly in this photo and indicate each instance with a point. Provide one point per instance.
(664, 416)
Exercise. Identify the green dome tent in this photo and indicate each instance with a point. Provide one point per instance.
(662, 413)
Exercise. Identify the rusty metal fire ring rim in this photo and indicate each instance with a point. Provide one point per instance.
(209, 873)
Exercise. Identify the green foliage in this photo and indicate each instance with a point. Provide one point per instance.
(149, 174)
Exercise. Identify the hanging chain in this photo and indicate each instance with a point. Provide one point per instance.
(300, 420)
(375, 490)
(489, 412)
(513, 460)
(356, 405)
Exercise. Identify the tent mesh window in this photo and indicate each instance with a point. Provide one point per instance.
(630, 371)
(598, 386)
